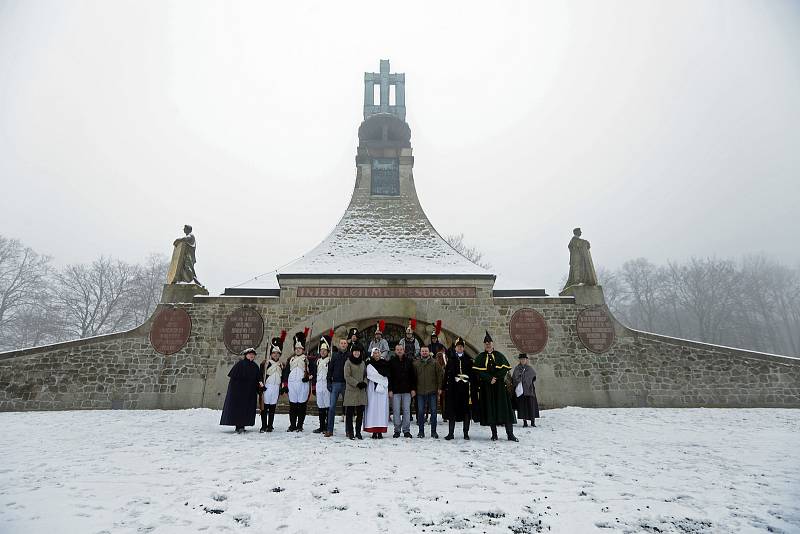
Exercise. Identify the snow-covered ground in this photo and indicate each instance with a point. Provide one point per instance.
(632, 470)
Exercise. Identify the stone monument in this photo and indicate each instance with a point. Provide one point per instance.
(582, 279)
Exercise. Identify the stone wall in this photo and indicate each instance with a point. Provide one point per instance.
(640, 369)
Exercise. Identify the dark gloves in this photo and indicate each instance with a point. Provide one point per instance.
(362, 385)
(284, 391)
(330, 387)
(305, 379)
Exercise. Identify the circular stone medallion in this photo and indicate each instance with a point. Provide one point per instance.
(595, 329)
(170, 330)
(244, 328)
(528, 331)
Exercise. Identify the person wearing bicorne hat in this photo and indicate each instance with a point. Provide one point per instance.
(244, 387)
(271, 372)
(353, 336)
(523, 379)
(459, 389)
(297, 379)
(491, 368)
(321, 372)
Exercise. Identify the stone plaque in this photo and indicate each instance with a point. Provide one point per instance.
(595, 329)
(244, 328)
(528, 331)
(385, 177)
(170, 330)
(387, 292)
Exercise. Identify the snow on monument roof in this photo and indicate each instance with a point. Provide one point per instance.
(381, 237)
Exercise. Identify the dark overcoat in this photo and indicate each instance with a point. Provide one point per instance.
(240, 401)
(494, 400)
(458, 395)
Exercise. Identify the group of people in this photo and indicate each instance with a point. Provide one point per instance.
(485, 389)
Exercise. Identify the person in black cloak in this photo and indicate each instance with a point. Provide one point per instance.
(491, 368)
(244, 386)
(459, 389)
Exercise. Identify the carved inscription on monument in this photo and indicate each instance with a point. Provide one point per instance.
(385, 177)
(244, 328)
(387, 292)
(171, 329)
(595, 329)
(528, 331)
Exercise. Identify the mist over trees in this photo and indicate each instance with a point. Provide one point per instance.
(753, 303)
(42, 304)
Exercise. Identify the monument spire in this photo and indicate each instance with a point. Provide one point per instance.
(384, 230)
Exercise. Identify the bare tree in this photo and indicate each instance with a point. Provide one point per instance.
(646, 286)
(23, 275)
(95, 298)
(148, 283)
(471, 253)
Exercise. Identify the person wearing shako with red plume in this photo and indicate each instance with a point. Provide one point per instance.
(244, 386)
(297, 379)
(379, 342)
(321, 372)
(271, 373)
(491, 368)
(410, 343)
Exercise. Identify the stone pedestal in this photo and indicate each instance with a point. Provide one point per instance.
(585, 295)
(173, 293)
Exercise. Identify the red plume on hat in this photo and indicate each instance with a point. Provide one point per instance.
(283, 336)
(413, 324)
(381, 326)
(438, 329)
(330, 333)
(306, 330)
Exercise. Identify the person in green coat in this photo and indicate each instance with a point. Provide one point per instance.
(494, 405)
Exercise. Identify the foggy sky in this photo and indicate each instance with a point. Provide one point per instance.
(664, 130)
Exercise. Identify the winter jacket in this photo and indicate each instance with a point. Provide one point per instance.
(336, 367)
(429, 376)
(402, 378)
(354, 373)
(527, 375)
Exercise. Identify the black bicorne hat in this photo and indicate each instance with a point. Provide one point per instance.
(522, 355)
(458, 341)
(487, 338)
(352, 332)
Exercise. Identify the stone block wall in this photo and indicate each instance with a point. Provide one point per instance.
(640, 369)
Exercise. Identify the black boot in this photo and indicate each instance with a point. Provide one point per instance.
(263, 420)
(510, 432)
(359, 420)
(451, 427)
(292, 417)
(466, 429)
(301, 415)
(494, 432)
(271, 412)
(323, 421)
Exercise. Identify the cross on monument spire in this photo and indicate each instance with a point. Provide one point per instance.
(384, 79)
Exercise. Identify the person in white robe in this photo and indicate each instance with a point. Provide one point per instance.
(376, 419)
